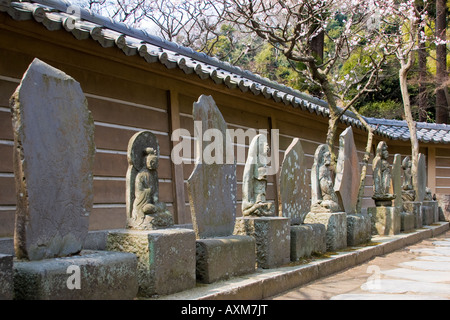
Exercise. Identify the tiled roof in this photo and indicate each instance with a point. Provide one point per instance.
(53, 15)
(398, 130)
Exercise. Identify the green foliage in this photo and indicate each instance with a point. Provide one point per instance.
(388, 109)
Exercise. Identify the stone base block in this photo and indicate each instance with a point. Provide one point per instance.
(225, 257)
(336, 228)
(6, 277)
(91, 275)
(358, 229)
(385, 220)
(407, 221)
(272, 236)
(307, 239)
(166, 258)
(427, 213)
(414, 208)
(434, 205)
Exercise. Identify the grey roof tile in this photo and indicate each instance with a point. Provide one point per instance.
(53, 15)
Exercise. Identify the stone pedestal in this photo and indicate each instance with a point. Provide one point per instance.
(224, 257)
(434, 210)
(91, 275)
(407, 221)
(358, 229)
(166, 258)
(427, 209)
(6, 277)
(414, 208)
(336, 228)
(272, 236)
(385, 220)
(307, 239)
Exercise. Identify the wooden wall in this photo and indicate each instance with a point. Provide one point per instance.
(126, 95)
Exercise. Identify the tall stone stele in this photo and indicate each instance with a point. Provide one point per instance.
(296, 202)
(53, 162)
(53, 166)
(212, 188)
(144, 210)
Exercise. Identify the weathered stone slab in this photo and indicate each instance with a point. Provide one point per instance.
(414, 208)
(397, 181)
(407, 221)
(53, 162)
(91, 275)
(6, 277)
(336, 228)
(358, 229)
(225, 257)
(421, 178)
(427, 209)
(348, 174)
(166, 258)
(444, 206)
(272, 236)
(294, 197)
(307, 239)
(212, 187)
(435, 205)
(385, 220)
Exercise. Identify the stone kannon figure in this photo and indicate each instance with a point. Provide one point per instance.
(323, 196)
(254, 184)
(144, 211)
(382, 176)
(408, 192)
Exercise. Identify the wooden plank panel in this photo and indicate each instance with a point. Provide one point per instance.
(107, 218)
(117, 139)
(7, 191)
(7, 90)
(7, 220)
(110, 165)
(116, 165)
(6, 130)
(443, 162)
(443, 152)
(443, 190)
(443, 182)
(117, 113)
(109, 191)
(442, 172)
(6, 154)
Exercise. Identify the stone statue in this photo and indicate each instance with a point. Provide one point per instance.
(408, 193)
(382, 176)
(144, 211)
(323, 196)
(254, 186)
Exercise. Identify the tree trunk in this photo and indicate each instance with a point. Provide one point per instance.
(423, 96)
(442, 108)
(410, 121)
(366, 158)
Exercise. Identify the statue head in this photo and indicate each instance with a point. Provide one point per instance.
(382, 150)
(151, 158)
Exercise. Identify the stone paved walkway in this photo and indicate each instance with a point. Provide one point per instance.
(417, 272)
